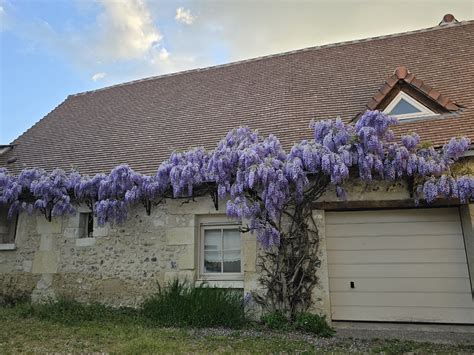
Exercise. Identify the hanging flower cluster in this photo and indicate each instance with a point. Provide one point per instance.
(255, 172)
(183, 171)
(251, 170)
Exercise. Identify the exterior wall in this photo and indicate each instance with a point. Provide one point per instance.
(121, 264)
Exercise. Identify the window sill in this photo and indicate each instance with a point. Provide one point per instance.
(85, 242)
(10, 246)
(221, 283)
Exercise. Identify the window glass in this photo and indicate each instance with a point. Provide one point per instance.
(231, 258)
(212, 250)
(222, 250)
(403, 107)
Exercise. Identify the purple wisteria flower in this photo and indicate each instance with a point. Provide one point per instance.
(254, 172)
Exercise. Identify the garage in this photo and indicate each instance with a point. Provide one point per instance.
(398, 265)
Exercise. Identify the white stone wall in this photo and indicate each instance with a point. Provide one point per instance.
(119, 265)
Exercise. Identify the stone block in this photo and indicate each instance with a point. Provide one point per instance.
(44, 291)
(43, 226)
(189, 275)
(180, 236)
(232, 284)
(71, 232)
(159, 221)
(201, 205)
(249, 253)
(27, 265)
(73, 221)
(85, 242)
(187, 258)
(180, 275)
(100, 231)
(45, 262)
(180, 220)
(320, 295)
(47, 242)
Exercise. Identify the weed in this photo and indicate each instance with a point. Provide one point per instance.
(313, 323)
(182, 304)
(276, 321)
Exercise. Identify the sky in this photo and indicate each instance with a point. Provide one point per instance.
(50, 49)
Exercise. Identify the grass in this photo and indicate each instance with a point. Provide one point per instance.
(32, 334)
(21, 332)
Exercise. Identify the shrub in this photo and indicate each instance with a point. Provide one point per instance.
(276, 321)
(313, 323)
(182, 304)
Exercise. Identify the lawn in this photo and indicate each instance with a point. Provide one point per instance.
(21, 334)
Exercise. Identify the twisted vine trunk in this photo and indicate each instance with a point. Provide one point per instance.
(289, 271)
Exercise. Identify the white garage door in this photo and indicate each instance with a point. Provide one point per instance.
(398, 265)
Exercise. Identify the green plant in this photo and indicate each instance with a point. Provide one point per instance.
(13, 299)
(182, 304)
(313, 323)
(68, 311)
(276, 321)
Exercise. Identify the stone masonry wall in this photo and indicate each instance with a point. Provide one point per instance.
(119, 265)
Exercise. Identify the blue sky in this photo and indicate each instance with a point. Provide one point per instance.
(50, 49)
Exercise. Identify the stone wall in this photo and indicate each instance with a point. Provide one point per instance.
(119, 265)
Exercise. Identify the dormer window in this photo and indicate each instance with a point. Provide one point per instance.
(407, 97)
(403, 106)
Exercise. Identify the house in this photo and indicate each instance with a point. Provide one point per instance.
(382, 257)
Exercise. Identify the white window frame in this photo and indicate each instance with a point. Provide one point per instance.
(218, 223)
(424, 111)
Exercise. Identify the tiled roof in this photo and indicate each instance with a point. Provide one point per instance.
(142, 122)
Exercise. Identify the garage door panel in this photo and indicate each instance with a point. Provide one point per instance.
(397, 256)
(393, 229)
(413, 242)
(404, 314)
(402, 284)
(402, 299)
(406, 265)
(408, 215)
(398, 270)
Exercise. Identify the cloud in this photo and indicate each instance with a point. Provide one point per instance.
(126, 30)
(184, 16)
(121, 31)
(164, 54)
(130, 39)
(98, 76)
(3, 18)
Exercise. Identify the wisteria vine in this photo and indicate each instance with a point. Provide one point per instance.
(256, 172)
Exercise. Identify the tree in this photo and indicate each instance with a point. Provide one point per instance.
(271, 189)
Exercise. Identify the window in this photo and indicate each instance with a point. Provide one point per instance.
(86, 225)
(221, 251)
(404, 106)
(7, 229)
